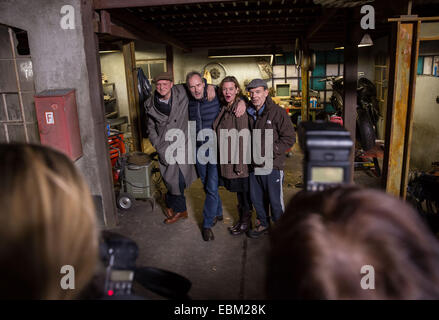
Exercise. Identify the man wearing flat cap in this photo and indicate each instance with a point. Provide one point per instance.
(167, 109)
(266, 189)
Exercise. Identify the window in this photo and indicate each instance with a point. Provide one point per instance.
(152, 67)
(328, 63)
(18, 120)
(428, 65)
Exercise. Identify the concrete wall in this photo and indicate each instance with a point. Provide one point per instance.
(242, 68)
(150, 50)
(425, 145)
(113, 67)
(425, 139)
(67, 59)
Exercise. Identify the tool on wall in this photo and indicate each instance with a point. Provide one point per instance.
(217, 71)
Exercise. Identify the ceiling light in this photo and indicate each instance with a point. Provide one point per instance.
(366, 41)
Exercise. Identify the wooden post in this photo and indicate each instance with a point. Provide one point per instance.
(170, 60)
(133, 94)
(304, 69)
(350, 75)
(402, 82)
(96, 166)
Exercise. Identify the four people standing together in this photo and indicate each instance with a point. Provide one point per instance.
(172, 106)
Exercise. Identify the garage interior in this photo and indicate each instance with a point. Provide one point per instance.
(107, 42)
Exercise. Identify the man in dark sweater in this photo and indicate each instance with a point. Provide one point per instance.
(204, 113)
(266, 184)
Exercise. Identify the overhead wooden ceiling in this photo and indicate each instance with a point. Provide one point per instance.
(191, 24)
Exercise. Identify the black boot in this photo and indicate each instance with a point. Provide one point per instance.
(237, 225)
(245, 224)
(207, 234)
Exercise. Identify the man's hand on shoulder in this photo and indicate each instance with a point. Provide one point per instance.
(211, 92)
(240, 108)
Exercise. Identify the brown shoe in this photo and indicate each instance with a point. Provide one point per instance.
(169, 213)
(177, 216)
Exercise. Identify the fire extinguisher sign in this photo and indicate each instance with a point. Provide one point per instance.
(49, 118)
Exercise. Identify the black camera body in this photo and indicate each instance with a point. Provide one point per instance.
(118, 254)
(327, 147)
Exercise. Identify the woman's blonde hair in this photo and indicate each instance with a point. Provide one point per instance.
(235, 81)
(47, 221)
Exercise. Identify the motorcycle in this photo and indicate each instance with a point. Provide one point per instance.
(367, 118)
(423, 194)
(368, 113)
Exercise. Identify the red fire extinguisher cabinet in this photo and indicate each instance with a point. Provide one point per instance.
(58, 121)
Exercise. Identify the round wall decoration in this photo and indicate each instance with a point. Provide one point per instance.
(217, 71)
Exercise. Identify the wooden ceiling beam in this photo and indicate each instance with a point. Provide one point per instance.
(235, 32)
(222, 25)
(323, 19)
(251, 40)
(219, 25)
(232, 44)
(253, 33)
(113, 4)
(246, 35)
(157, 19)
(247, 41)
(145, 30)
(106, 26)
(219, 11)
(207, 29)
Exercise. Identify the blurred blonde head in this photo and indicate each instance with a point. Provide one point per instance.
(324, 239)
(47, 221)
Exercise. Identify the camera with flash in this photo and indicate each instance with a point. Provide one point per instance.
(327, 147)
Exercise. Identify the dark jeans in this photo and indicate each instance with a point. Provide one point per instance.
(266, 191)
(177, 202)
(244, 201)
(212, 205)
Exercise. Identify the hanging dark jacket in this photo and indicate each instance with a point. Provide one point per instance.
(144, 88)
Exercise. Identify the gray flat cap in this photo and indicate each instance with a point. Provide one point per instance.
(257, 83)
(163, 76)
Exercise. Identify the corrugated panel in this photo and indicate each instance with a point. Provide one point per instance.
(341, 3)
